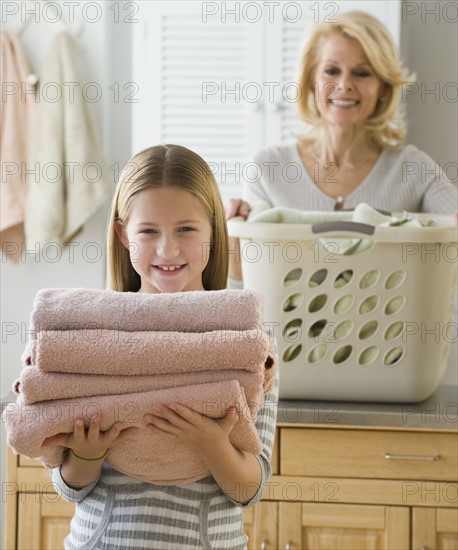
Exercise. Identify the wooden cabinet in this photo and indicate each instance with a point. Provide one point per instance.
(332, 488)
(369, 454)
(36, 518)
(434, 528)
(274, 525)
(261, 526)
(43, 522)
(341, 488)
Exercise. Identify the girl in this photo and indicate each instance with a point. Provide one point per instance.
(167, 233)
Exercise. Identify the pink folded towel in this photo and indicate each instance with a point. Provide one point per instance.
(147, 456)
(132, 353)
(125, 352)
(35, 385)
(198, 311)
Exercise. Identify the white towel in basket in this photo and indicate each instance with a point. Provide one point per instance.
(363, 213)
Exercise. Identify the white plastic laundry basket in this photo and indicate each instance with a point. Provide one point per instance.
(373, 326)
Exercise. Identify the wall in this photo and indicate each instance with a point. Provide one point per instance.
(104, 58)
(429, 47)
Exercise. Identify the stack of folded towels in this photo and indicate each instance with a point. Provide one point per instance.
(119, 353)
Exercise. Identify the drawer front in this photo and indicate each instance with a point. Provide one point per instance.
(368, 453)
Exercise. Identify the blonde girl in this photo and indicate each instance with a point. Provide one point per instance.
(167, 233)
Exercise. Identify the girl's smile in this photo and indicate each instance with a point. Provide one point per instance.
(169, 237)
(169, 267)
(167, 270)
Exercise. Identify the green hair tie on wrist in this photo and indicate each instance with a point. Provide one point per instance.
(82, 459)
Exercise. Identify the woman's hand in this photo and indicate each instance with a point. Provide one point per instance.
(190, 427)
(237, 207)
(91, 442)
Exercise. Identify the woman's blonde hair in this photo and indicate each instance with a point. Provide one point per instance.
(386, 126)
(166, 166)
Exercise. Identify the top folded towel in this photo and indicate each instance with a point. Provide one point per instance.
(197, 311)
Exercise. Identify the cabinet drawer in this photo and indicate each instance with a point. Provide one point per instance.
(370, 454)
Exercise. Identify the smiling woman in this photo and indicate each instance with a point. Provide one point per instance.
(353, 59)
(350, 150)
(346, 88)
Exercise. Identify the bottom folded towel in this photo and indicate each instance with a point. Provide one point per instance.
(144, 455)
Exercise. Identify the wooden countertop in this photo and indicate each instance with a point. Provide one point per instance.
(438, 412)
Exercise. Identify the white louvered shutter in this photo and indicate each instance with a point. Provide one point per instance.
(194, 78)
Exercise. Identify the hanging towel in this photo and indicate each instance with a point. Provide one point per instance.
(16, 117)
(73, 180)
(144, 455)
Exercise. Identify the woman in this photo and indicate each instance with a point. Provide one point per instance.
(350, 152)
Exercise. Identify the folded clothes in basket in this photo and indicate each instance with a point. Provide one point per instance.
(363, 213)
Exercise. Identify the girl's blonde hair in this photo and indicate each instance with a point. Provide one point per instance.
(166, 166)
(386, 126)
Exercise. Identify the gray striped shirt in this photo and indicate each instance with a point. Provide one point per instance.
(117, 512)
(401, 179)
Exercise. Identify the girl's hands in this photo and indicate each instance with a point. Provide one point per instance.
(190, 427)
(91, 442)
(237, 207)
